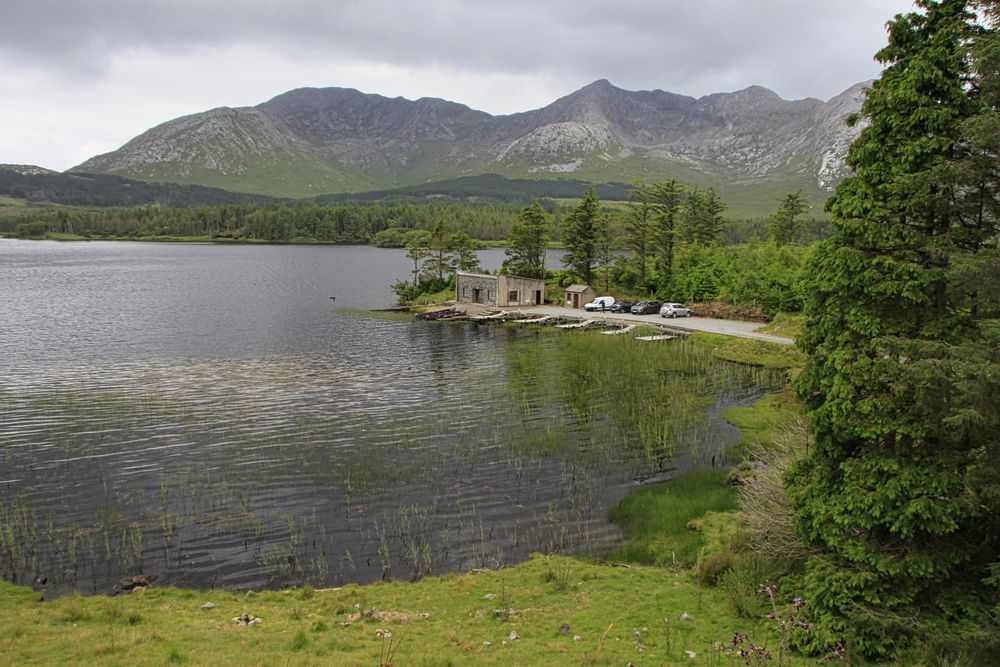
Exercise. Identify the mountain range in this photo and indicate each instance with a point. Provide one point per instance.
(751, 145)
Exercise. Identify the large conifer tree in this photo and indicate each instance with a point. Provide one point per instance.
(581, 233)
(668, 197)
(903, 382)
(527, 242)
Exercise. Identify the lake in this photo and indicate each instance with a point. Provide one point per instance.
(232, 416)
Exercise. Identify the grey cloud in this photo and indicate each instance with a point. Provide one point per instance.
(798, 48)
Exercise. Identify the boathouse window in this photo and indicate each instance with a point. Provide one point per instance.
(512, 296)
(465, 292)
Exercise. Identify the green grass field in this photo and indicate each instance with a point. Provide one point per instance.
(615, 615)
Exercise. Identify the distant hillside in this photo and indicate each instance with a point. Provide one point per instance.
(751, 145)
(486, 187)
(38, 185)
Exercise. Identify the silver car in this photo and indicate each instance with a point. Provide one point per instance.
(675, 310)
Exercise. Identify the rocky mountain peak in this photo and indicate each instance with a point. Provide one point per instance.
(321, 140)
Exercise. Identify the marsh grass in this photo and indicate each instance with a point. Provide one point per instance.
(752, 352)
(653, 397)
(766, 424)
(656, 518)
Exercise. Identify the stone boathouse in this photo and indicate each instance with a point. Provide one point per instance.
(498, 291)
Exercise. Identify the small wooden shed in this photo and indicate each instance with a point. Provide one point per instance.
(578, 295)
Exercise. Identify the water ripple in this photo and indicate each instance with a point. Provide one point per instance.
(204, 414)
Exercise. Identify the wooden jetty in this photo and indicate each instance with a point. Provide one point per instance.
(582, 324)
(619, 330)
(443, 314)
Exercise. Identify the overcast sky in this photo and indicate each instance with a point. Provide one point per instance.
(82, 77)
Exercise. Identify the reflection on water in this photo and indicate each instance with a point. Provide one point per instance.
(241, 433)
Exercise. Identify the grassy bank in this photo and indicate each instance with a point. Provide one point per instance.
(614, 615)
(656, 518)
(752, 352)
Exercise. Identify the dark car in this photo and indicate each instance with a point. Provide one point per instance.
(622, 306)
(646, 308)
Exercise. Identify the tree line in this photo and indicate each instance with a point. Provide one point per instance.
(349, 223)
(669, 240)
(343, 224)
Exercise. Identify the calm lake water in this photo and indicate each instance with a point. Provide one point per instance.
(210, 414)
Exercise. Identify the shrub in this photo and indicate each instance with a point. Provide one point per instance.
(32, 229)
(742, 583)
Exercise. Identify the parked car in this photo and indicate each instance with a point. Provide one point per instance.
(675, 310)
(622, 306)
(601, 303)
(646, 308)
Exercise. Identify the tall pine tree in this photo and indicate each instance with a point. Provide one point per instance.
(637, 226)
(902, 383)
(668, 197)
(785, 224)
(526, 244)
(580, 236)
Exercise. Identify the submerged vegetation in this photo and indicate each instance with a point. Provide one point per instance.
(375, 504)
(618, 612)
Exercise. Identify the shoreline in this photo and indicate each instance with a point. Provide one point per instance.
(687, 325)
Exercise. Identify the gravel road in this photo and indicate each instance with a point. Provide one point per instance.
(707, 324)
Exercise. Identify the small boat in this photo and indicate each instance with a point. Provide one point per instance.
(489, 316)
(660, 337)
(442, 314)
(619, 330)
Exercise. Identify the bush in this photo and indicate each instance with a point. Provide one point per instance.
(32, 229)
(711, 568)
(742, 583)
(407, 292)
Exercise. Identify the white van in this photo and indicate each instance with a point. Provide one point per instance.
(601, 303)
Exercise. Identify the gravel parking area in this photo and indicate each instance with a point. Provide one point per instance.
(707, 324)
